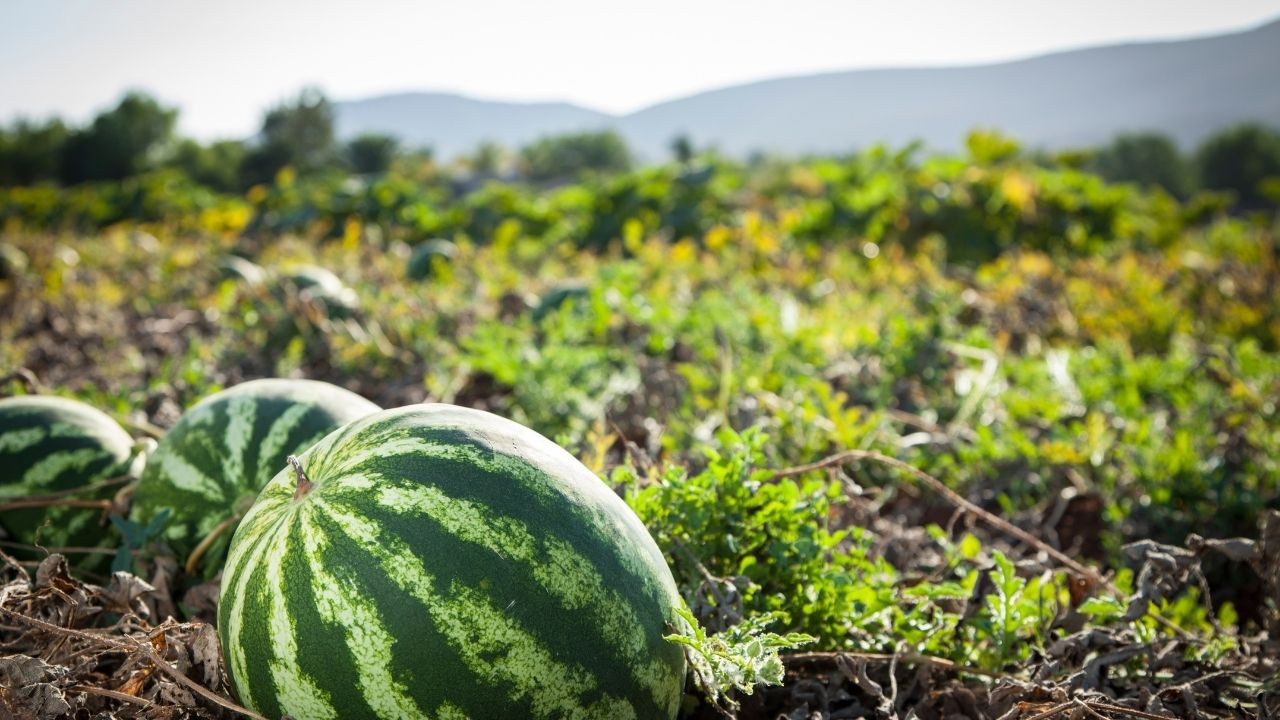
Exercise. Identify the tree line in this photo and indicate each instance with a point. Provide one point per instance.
(1238, 159)
(138, 135)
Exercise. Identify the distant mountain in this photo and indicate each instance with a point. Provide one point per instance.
(1186, 88)
(453, 124)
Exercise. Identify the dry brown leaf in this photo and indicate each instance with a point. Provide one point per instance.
(40, 701)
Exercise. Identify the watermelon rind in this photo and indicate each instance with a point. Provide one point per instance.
(50, 445)
(446, 562)
(239, 269)
(427, 255)
(320, 287)
(210, 466)
(570, 292)
(13, 262)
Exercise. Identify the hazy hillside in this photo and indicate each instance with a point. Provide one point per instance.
(453, 124)
(1186, 88)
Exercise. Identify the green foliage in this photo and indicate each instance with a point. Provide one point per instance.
(740, 659)
(988, 147)
(682, 149)
(565, 157)
(1149, 159)
(488, 159)
(1239, 160)
(742, 542)
(371, 154)
(1016, 610)
(771, 539)
(1030, 334)
(119, 143)
(135, 537)
(216, 166)
(31, 152)
(296, 134)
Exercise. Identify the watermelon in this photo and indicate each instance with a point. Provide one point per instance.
(570, 291)
(50, 445)
(13, 262)
(210, 466)
(437, 561)
(426, 256)
(233, 267)
(320, 287)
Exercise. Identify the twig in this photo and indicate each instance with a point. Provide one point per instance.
(13, 563)
(194, 559)
(990, 365)
(122, 697)
(125, 494)
(910, 658)
(995, 521)
(920, 423)
(731, 611)
(1088, 710)
(192, 685)
(67, 632)
(26, 377)
(1098, 704)
(938, 486)
(133, 645)
(1205, 678)
(893, 678)
(54, 502)
(1053, 711)
(83, 489)
(68, 550)
(143, 426)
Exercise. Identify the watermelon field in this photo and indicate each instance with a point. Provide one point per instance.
(888, 435)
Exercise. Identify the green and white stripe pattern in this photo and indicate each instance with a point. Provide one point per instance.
(50, 445)
(212, 463)
(447, 563)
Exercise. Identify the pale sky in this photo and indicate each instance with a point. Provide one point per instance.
(223, 62)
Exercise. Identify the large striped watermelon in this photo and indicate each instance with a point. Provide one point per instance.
(444, 562)
(51, 445)
(210, 466)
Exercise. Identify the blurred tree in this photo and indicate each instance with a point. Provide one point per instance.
(31, 152)
(1239, 159)
(216, 165)
(417, 164)
(990, 147)
(488, 159)
(297, 134)
(120, 142)
(567, 156)
(1145, 159)
(1073, 159)
(371, 153)
(682, 149)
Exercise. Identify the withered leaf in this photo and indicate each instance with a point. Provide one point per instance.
(201, 601)
(125, 594)
(206, 653)
(17, 671)
(39, 701)
(53, 573)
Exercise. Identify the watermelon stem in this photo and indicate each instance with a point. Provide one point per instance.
(304, 484)
(193, 561)
(26, 503)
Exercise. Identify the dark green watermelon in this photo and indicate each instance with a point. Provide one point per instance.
(443, 562)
